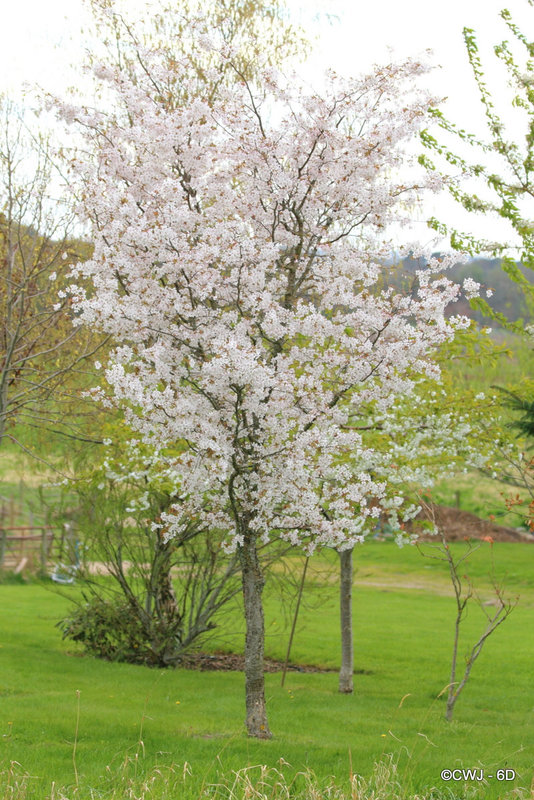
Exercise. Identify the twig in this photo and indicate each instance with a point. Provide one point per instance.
(299, 597)
(462, 597)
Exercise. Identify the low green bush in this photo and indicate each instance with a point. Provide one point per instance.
(114, 630)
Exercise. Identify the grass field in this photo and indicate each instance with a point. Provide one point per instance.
(97, 728)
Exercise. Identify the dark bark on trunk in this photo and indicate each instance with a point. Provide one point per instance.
(253, 582)
(345, 607)
(161, 588)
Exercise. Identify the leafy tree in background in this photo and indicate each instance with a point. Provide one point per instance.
(41, 354)
(504, 164)
(254, 31)
(525, 423)
(498, 179)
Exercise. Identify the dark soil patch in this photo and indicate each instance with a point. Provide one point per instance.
(234, 662)
(219, 661)
(459, 525)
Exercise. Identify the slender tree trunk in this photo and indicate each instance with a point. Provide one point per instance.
(253, 582)
(345, 607)
(3, 413)
(453, 686)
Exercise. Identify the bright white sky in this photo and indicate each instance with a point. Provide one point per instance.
(40, 39)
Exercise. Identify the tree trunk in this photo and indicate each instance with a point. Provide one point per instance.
(166, 605)
(253, 582)
(345, 608)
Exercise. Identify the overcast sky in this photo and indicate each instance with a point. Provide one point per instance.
(41, 39)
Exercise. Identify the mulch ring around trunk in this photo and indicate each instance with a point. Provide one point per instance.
(219, 661)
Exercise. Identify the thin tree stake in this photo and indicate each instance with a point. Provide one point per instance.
(294, 620)
(76, 737)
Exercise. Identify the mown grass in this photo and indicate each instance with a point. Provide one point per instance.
(133, 722)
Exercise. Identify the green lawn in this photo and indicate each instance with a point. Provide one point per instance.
(133, 719)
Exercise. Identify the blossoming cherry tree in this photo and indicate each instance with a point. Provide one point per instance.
(237, 265)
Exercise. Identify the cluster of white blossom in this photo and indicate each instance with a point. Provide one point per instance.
(237, 263)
